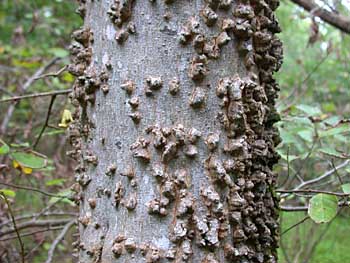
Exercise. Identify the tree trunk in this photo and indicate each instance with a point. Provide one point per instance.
(174, 131)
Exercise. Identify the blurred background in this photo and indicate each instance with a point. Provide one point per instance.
(35, 172)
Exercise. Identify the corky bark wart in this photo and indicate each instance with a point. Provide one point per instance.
(174, 131)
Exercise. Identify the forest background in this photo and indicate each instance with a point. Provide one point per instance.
(35, 172)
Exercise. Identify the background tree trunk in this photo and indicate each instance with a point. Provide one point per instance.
(174, 130)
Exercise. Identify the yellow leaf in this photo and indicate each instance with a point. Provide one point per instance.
(15, 164)
(25, 170)
(66, 119)
(66, 76)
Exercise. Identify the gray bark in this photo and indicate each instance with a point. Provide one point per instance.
(173, 131)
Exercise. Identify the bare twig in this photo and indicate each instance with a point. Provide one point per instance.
(32, 189)
(47, 208)
(34, 249)
(35, 216)
(336, 172)
(46, 121)
(293, 94)
(295, 225)
(58, 240)
(36, 95)
(312, 191)
(286, 257)
(320, 178)
(305, 208)
(14, 226)
(38, 223)
(335, 19)
(53, 74)
(26, 85)
(33, 232)
(317, 241)
(293, 208)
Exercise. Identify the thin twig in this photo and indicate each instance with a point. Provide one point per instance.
(320, 178)
(52, 101)
(33, 232)
(305, 208)
(14, 225)
(293, 208)
(26, 85)
(303, 82)
(295, 225)
(58, 240)
(36, 95)
(53, 74)
(47, 208)
(35, 216)
(34, 249)
(32, 189)
(305, 159)
(336, 172)
(335, 19)
(282, 244)
(312, 191)
(38, 223)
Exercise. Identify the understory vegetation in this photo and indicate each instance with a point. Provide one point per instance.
(36, 175)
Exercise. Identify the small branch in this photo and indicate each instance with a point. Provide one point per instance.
(46, 121)
(312, 191)
(58, 240)
(27, 84)
(293, 208)
(336, 172)
(295, 225)
(33, 190)
(38, 223)
(36, 95)
(53, 74)
(47, 208)
(337, 20)
(320, 178)
(305, 208)
(35, 216)
(14, 226)
(33, 232)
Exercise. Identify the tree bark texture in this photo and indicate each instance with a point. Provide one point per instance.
(174, 131)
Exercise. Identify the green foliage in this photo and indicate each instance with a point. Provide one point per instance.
(346, 188)
(315, 131)
(33, 33)
(8, 192)
(29, 159)
(4, 148)
(323, 208)
(322, 243)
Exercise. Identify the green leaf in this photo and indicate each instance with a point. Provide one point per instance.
(323, 208)
(334, 131)
(59, 52)
(55, 182)
(306, 135)
(333, 152)
(8, 192)
(287, 137)
(346, 188)
(66, 192)
(4, 148)
(29, 159)
(20, 145)
(286, 157)
(309, 110)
